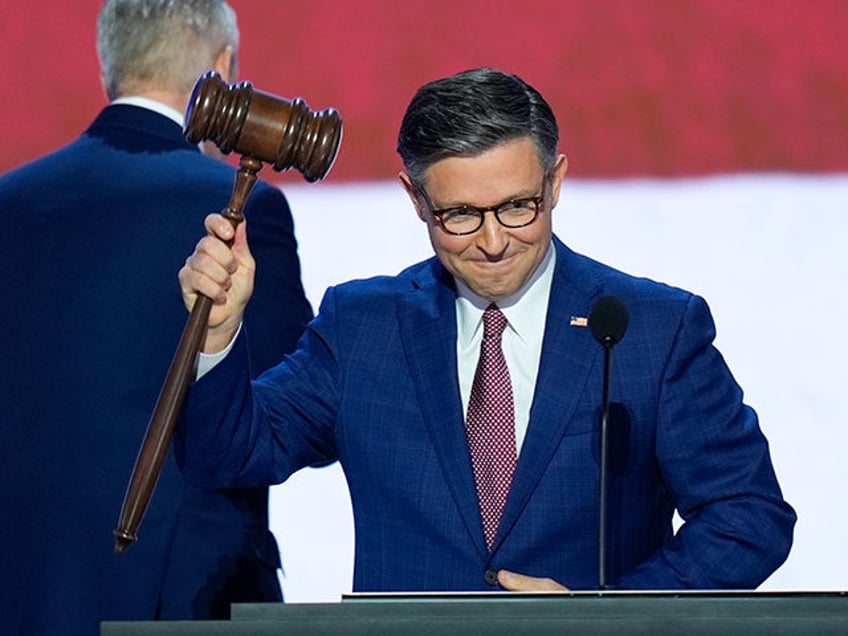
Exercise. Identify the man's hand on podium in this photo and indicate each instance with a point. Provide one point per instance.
(515, 582)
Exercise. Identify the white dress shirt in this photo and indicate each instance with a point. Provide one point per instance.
(152, 104)
(525, 312)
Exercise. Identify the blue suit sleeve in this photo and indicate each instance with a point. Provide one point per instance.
(237, 432)
(737, 528)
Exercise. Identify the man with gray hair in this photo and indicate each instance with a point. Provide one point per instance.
(89, 336)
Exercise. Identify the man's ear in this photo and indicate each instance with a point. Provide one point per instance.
(557, 175)
(413, 194)
(226, 65)
(105, 88)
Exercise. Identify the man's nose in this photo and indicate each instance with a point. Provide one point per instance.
(492, 237)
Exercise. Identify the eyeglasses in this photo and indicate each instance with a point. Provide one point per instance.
(467, 219)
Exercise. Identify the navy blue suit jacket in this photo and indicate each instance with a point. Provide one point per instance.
(374, 384)
(95, 234)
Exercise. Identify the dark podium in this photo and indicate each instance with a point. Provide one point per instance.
(595, 613)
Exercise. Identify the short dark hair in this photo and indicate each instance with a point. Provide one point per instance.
(471, 112)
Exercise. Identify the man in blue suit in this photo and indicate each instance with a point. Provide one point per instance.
(387, 380)
(92, 319)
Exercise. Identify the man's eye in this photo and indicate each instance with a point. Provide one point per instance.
(456, 214)
(518, 204)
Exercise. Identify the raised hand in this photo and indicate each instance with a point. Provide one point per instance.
(223, 273)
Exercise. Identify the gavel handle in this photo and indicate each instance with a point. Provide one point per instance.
(160, 429)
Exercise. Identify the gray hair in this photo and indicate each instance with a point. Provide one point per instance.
(162, 44)
(471, 112)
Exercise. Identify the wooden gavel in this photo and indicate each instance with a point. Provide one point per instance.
(261, 127)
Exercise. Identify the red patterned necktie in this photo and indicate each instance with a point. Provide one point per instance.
(490, 425)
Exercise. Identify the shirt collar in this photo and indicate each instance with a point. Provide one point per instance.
(151, 104)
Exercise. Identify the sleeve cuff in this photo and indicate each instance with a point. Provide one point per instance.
(208, 361)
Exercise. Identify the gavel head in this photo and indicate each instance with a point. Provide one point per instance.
(272, 129)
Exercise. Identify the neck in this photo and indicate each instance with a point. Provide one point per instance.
(173, 100)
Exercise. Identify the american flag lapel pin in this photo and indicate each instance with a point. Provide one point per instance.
(578, 321)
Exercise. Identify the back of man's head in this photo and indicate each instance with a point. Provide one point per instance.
(161, 45)
(471, 112)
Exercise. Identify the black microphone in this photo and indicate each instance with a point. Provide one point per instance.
(608, 322)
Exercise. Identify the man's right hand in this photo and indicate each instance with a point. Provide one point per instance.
(224, 274)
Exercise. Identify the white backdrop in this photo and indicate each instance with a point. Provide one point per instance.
(767, 252)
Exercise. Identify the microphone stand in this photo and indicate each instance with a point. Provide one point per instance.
(608, 322)
(602, 490)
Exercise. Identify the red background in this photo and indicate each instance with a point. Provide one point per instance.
(647, 87)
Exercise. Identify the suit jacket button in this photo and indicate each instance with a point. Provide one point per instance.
(491, 577)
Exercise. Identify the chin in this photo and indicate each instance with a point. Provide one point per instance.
(495, 294)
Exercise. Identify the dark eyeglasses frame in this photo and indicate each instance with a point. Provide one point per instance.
(481, 212)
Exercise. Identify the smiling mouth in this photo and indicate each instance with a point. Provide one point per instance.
(494, 263)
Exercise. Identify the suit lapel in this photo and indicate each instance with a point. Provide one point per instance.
(427, 322)
(568, 354)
